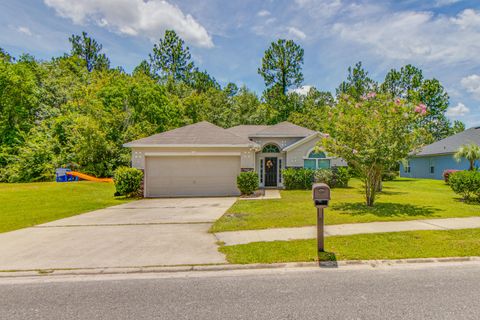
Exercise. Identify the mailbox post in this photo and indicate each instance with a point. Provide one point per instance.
(321, 197)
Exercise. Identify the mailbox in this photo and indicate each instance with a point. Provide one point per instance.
(321, 195)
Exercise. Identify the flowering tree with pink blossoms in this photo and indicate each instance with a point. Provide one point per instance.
(373, 135)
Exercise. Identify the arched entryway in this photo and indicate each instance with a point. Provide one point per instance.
(271, 163)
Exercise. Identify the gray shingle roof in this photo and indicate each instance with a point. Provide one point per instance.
(452, 143)
(246, 130)
(201, 133)
(284, 129)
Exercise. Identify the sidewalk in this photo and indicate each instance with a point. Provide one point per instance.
(247, 236)
(269, 194)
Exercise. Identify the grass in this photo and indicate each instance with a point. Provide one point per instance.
(28, 204)
(395, 245)
(401, 199)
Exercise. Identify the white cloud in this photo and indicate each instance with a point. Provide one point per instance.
(263, 13)
(303, 90)
(134, 17)
(417, 36)
(24, 30)
(320, 8)
(296, 33)
(459, 110)
(468, 18)
(472, 85)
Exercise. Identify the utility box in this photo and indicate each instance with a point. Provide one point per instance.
(321, 195)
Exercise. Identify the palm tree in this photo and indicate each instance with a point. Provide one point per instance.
(471, 152)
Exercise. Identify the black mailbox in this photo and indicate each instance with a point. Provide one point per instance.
(321, 195)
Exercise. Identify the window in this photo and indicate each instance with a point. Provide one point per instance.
(261, 170)
(432, 166)
(280, 170)
(270, 148)
(406, 169)
(316, 155)
(316, 160)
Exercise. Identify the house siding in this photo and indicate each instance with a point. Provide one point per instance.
(420, 166)
(247, 155)
(281, 142)
(295, 156)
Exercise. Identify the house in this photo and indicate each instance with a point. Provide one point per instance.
(430, 161)
(203, 159)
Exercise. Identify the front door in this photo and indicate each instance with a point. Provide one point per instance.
(270, 172)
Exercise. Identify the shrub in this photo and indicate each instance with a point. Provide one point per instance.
(465, 183)
(325, 176)
(128, 181)
(298, 178)
(247, 182)
(447, 173)
(389, 175)
(334, 177)
(341, 176)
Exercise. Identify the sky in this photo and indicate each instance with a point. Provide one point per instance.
(228, 37)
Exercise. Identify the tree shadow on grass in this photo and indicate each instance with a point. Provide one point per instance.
(392, 193)
(471, 202)
(385, 209)
(403, 180)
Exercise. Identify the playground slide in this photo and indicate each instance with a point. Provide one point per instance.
(84, 176)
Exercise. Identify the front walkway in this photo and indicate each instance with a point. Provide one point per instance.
(268, 195)
(285, 234)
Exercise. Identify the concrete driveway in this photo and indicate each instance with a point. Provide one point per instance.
(150, 232)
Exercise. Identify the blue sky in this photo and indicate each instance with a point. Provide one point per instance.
(228, 38)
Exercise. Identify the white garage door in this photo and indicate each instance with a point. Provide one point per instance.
(186, 176)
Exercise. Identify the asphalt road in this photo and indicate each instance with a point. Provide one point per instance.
(445, 292)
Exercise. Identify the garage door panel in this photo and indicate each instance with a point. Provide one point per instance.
(191, 176)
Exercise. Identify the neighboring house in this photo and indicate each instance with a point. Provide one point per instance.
(433, 159)
(203, 159)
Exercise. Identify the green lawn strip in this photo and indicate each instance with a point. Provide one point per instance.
(401, 199)
(394, 245)
(28, 204)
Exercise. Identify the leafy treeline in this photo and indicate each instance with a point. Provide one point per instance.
(78, 111)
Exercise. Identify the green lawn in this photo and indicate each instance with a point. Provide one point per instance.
(401, 199)
(27, 204)
(395, 245)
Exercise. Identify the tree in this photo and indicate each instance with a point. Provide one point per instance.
(4, 55)
(20, 95)
(404, 83)
(458, 126)
(202, 81)
(282, 66)
(144, 68)
(89, 50)
(373, 135)
(471, 152)
(247, 108)
(409, 84)
(171, 58)
(358, 83)
(231, 89)
(313, 111)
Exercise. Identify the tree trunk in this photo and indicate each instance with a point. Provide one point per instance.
(471, 165)
(373, 181)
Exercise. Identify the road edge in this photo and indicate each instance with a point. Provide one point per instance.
(230, 267)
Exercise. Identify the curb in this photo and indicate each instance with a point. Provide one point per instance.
(230, 267)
